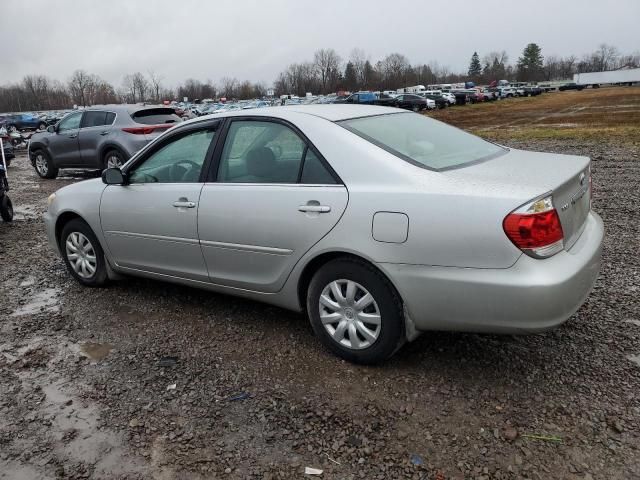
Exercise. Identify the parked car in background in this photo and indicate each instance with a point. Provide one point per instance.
(532, 90)
(8, 152)
(506, 92)
(570, 86)
(413, 102)
(98, 137)
(24, 121)
(439, 100)
(362, 98)
(358, 216)
(449, 97)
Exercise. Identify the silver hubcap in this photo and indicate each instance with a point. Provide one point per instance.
(350, 314)
(41, 165)
(81, 255)
(113, 162)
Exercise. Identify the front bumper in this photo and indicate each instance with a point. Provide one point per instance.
(531, 296)
(50, 227)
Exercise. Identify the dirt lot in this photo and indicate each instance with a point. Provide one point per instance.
(150, 380)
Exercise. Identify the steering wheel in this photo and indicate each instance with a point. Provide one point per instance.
(182, 169)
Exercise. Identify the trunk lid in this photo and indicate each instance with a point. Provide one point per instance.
(524, 176)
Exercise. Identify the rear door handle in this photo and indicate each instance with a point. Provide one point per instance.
(104, 133)
(182, 204)
(314, 208)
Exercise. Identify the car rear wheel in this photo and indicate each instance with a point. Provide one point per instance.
(42, 126)
(113, 159)
(6, 208)
(355, 311)
(12, 128)
(44, 166)
(83, 254)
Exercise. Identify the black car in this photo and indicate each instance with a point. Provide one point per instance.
(441, 102)
(571, 86)
(411, 102)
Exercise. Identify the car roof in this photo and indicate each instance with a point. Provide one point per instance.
(128, 108)
(331, 112)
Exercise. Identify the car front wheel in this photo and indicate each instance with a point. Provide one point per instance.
(83, 254)
(43, 165)
(355, 311)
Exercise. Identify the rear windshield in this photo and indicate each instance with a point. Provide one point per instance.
(155, 116)
(422, 141)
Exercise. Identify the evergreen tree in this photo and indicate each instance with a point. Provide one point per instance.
(475, 69)
(350, 77)
(530, 63)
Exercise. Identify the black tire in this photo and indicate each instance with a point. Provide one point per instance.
(415, 108)
(113, 155)
(99, 276)
(12, 128)
(6, 208)
(42, 126)
(391, 335)
(7, 161)
(46, 169)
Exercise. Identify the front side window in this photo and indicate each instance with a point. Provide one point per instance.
(261, 152)
(179, 161)
(71, 122)
(422, 141)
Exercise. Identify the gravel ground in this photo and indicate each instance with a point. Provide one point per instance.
(151, 380)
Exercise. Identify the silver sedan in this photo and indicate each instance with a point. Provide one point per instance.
(378, 223)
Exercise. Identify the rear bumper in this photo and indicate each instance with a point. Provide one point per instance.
(530, 296)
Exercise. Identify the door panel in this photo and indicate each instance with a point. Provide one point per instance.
(152, 223)
(252, 235)
(93, 132)
(64, 144)
(144, 230)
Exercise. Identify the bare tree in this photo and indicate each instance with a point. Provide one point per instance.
(359, 59)
(605, 56)
(327, 64)
(141, 85)
(155, 81)
(79, 85)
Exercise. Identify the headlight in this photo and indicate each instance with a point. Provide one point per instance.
(50, 199)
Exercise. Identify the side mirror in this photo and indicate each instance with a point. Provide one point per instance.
(51, 129)
(113, 176)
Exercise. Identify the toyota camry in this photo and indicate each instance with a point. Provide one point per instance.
(378, 223)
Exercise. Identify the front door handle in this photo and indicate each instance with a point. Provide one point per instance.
(314, 208)
(73, 135)
(184, 204)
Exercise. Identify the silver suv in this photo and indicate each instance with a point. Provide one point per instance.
(98, 137)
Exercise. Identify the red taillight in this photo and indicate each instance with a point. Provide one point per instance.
(146, 130)
(535, 229)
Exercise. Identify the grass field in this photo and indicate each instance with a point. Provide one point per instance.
(612, 112)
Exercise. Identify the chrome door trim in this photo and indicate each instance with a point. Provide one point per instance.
(247, 248)
(162, 238)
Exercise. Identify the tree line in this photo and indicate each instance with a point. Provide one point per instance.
(326, 72)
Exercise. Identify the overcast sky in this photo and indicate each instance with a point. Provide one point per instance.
(255, 40)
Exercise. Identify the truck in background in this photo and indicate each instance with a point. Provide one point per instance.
(625, 76)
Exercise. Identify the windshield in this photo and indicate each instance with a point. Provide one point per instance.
(422, 141)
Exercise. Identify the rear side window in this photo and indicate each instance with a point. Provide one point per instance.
(93, 119)
(422, 141)
(155, 116)
(314, 172)
(261, 152)
(110, 118)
